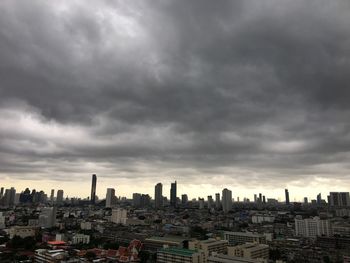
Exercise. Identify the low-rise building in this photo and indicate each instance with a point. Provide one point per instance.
(209, 247)
(250, 251)
(220, 258)
(179, 255)
(23, 231)
(237, 238)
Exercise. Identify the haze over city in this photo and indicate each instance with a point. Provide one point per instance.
(250, 95)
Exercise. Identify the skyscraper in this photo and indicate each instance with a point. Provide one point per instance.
(93, 189)
(217, 201)
(59, 199)
(52, 195)
(110, 197)
(184, 199)
(287, 196)
(158, 195)
(173, 197)
(226, 200)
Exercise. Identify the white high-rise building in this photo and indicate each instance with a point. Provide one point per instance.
(226, 200)
(119, 216)
(110, 197)
(312, 227)
(47, 217)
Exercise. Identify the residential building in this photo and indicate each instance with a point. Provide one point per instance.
(249, 251)
(236, 238)
(179, 255)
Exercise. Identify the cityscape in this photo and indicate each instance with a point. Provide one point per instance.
(40, 227)
(174, 131)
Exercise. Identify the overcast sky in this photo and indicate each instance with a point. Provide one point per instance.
(251, 95)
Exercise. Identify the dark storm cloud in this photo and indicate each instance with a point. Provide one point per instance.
(217, 87)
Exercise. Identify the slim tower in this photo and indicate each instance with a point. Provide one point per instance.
(93, 189)
(287, 196)
(173, 194)
(158, 195)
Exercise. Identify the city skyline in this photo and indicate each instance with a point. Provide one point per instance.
(246, 95)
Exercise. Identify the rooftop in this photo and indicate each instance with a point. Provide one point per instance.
(179, 251)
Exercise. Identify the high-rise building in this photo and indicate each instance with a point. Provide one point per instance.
(217, 201)
(306, 201)
(52, 196)
(184, 199)
(312, 227)
(136, 199)
(2, 192)
(339, 199)
(110, 197)
(255, 198)
(47, 217)
(9, 197)
(210, 202)
(158, 195)
(226, 200)
(93, 189)
(286, 192)
(319, 199)
(173, 194)
(59, 198)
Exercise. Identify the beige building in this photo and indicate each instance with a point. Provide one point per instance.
(249, 251)
(209, 247)
(23, 231)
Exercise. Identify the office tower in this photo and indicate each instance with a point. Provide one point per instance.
(173, 197)
(217, 201)
(10, 196)
(260, 198)
(136, 199)
(339, 199)
(306, 201)
(210, 202)
(184, 199)
(319, 199)
(226, 200)
(2, 192)
(264, 200)
(47, 217)
(59, 198)
(145, 200)
(52, 196)
(287, 196)
(158, 195)
(93, 189)
(201, 203)
(110, 197)
(255, 198)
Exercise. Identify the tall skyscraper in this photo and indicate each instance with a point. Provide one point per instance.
(173, 197)
(255, 198)
(52, 195)
(59, 198)
(2, 192)
(158, 195)
(217, 201)
(306, 201)
(93, 189)
(110, 197)
(184, 199)
(226, 200)
(210, 202)
(319, 199)
(287, 196)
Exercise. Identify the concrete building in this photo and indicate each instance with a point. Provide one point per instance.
(226, 200)
(184, 199)
(59, 198)
(339, 199)
(259, 219)
(209, 247)
(231, 259)
(22, 231)
(50, 256)
(217, 201)
(312, 227)
(158, 195)
(249, 251)
(286, 192)
(110, 197)
(210, 202)
(2, 221)
(80, 239)
(119, 216)
(47, 217)
(179, 255)
(237, 238)
(155, 243)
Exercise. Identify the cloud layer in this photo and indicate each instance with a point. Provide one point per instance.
(244, 93)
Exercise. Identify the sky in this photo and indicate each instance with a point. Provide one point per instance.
(250, 95)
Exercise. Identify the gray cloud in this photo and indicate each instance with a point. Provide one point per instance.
(142, 89)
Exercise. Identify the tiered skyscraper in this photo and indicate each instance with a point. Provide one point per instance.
(93, 189)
